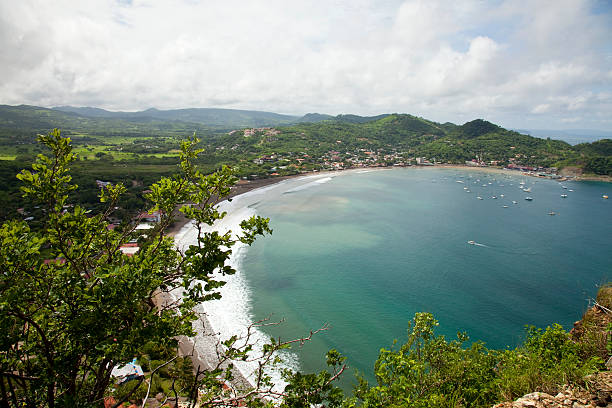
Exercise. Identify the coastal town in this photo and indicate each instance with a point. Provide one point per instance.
(277, 164)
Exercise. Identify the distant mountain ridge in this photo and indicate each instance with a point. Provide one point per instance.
(571, 136)
(212, 117)
(218, 117)
(323, 136)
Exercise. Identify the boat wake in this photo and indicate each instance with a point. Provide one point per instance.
(504, 250)
(478, 244)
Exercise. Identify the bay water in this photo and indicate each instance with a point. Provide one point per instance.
(364, 250)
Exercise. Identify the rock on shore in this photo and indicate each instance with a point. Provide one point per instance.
(597, 393)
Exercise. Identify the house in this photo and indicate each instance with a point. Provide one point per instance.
(143, 226)
(127, 372)
(129, 248)
(154, 216)
(102, 184)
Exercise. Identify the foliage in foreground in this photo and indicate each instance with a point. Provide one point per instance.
(73, 307)
(428, 371)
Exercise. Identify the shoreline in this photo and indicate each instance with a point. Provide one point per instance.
(241, 187)
(245, 186)
(202, 348)
(203, 353)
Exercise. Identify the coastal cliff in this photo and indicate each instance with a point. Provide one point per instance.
(592, 331)
(596, 392)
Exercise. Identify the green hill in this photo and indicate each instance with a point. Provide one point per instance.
(137, 147)
(400, 137)
(209, 117)
(599, 148)
(477, 128)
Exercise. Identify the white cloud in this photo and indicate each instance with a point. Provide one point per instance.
(570, 120)
(449, 61)
(542, 108)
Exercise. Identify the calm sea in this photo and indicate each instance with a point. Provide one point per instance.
(364, 251)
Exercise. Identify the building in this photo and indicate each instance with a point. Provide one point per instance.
(127, 372)
(154, 216)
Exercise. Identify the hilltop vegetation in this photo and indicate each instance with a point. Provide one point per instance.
(138, 147)
(212, 118)
(73, 307)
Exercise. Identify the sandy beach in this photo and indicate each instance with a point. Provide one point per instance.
(241, 187)
(219, 319)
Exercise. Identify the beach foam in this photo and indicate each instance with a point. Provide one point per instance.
(231, 315)
(309, 185)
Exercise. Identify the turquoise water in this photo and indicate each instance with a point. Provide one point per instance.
(365, 251)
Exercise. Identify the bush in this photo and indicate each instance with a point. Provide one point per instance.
(429, 371)
(124, 389)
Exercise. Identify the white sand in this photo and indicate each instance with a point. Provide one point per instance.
(230, 315)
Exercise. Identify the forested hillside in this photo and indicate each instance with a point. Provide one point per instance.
(136, 148)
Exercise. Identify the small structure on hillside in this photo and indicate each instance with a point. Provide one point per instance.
(127, 372)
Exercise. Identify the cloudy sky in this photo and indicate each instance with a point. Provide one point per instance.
(519, 63)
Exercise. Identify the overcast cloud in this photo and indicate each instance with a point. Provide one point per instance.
(522, 64)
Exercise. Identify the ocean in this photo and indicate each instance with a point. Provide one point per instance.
(362, 251)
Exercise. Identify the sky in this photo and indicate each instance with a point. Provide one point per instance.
(521, 64)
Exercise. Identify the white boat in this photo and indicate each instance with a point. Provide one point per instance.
(528, 198)
(472, 242)
(505, 206)
(563, 195)
(514, 202)
(552, 213)
(480, 198)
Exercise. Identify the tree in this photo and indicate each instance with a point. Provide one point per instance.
(73, 306)
(429, 371)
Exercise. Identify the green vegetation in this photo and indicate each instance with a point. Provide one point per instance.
(73, 307)
(138, 148)
(428, 371)
(213, 118)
